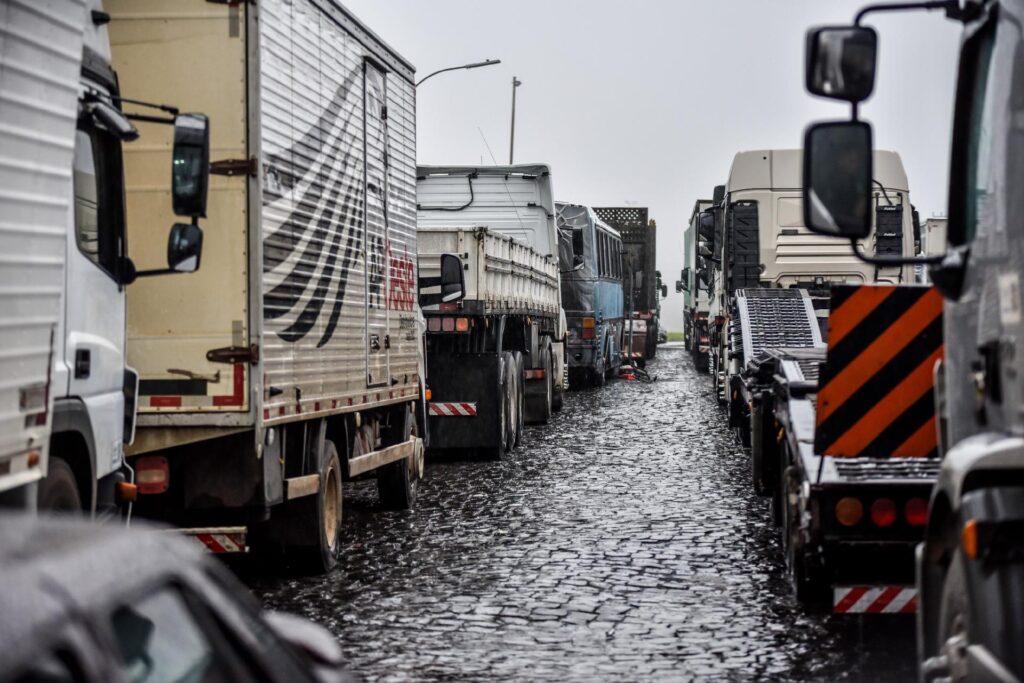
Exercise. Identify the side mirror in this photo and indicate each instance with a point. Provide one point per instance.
(664, 291)
(837, 172)
(686, 274)
(453, 280)
(706, 227)
(184, 248)
(841, 62)
(451, 283)
(679, 286)
(190, 165)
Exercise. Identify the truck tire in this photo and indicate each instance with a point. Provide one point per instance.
(326, 512)
(803, 573)
(499, 436)
(557, 390)
(519, 400)
(397, 481)
(538, 405)
(997, 611)
(58, 490)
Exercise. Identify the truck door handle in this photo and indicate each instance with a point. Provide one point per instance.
(83, 360)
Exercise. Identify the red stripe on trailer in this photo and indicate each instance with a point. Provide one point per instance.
(165, 401)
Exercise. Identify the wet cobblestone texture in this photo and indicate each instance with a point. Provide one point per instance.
(622, 541)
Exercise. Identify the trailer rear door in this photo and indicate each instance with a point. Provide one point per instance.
(190, 54)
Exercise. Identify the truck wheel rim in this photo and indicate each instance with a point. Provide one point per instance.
(331, 509)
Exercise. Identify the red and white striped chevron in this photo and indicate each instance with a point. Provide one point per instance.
(220, 539)
(452, 409)
(874, 600)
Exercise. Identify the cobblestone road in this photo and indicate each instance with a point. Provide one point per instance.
(621, 542)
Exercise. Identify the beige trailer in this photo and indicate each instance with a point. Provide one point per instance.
(292, 358)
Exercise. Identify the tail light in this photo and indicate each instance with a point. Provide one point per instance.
(462, 324)
(883, 512)
(916, 512)
(447, 324)
(433, 324)
(588, 328)
(428, 394)
(849, 511)
(152, 474)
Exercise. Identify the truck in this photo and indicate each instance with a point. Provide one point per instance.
(292, 359)
(496, 359)
(642, 286)
(694, 288)
(811, 345)
(759, 242)
(590, 261)
(64, 227)
(970, 572)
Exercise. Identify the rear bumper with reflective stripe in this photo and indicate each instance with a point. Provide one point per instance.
(225, 539)
(874, 600)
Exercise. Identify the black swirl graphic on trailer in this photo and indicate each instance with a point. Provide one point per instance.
(336, 218)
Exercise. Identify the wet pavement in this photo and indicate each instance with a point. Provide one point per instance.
(622, 541)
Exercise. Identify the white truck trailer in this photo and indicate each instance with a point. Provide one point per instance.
(497, 359)
(37, 131)
(63, 120)
(292, 360)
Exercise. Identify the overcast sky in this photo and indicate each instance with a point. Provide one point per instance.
(646, 103)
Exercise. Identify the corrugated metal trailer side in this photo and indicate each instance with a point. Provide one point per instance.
(298, 337)
(40, 62)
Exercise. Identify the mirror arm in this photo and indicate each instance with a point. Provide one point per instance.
(149, 119)
(893, 260)
(155, 271)
(952, 8)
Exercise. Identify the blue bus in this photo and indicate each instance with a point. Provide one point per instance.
(590, 260)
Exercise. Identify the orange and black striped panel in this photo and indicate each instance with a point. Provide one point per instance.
(875, 395)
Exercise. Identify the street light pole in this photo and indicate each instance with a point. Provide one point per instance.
(474, 65)
(512, 138)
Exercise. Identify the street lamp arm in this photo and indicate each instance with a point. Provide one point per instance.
(474, 65)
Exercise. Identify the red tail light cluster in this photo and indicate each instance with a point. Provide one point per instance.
(883, 512)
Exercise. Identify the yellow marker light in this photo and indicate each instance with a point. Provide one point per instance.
(849, 511)
(969, 539)
(428, 394)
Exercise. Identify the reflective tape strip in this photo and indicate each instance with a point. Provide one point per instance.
(217, 541)
(452, 409)
(874, 600)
